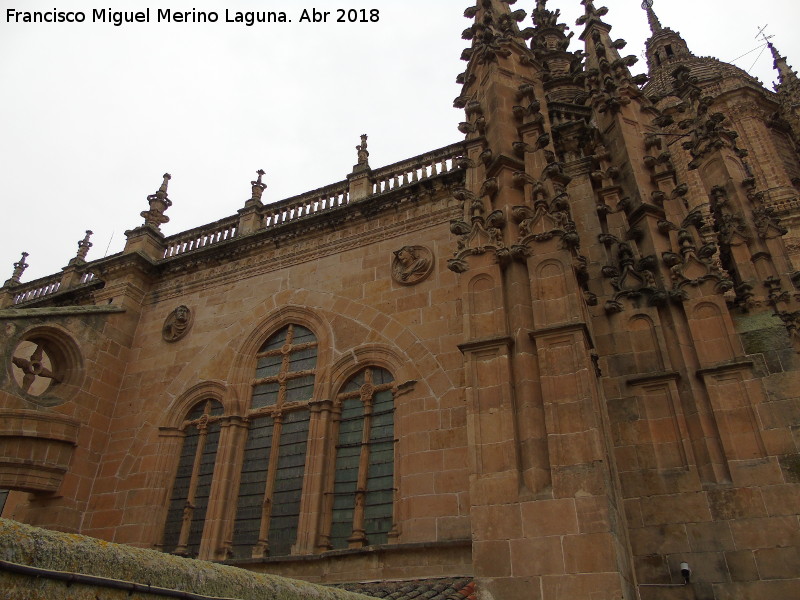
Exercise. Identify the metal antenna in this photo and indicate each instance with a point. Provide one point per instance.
(764, 47)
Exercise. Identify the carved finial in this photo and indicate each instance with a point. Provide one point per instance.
(258, 185)
(363, 153)
(655, 24)
(591, 12)
(19, 267)
(164, 184)
(159, 202)
(84, 245)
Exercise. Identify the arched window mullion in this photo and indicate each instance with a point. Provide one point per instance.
(282, 388)
(262, 547)
(188, 510)
(185, 519)
(359, 513)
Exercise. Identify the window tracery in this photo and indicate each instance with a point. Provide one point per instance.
(273, 468)
(191, 488)
(308, 474)
(362, 497)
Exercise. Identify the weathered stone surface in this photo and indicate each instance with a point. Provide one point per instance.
(70, 553)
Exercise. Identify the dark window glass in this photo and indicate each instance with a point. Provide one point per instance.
(363, 487)
(268, 508)
(191, 488)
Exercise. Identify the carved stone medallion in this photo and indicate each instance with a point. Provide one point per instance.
(34, 372)
(411, 264)
(177, 324)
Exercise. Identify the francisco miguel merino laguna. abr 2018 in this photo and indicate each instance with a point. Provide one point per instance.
(162, 15)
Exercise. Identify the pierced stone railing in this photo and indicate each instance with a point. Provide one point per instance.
(309, 203)
(200, 237)
(37, 288)
(45, 286)
(386, 179)
(416, 169)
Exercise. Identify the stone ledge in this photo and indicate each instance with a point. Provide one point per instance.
(70, 553)
(58, 311)
(35, 449)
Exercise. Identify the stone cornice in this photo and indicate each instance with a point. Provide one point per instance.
(561, 329)
(59, 311)
(484, 343)
(734, 365)
(659, 377)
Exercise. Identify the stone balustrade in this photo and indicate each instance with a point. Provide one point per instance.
(200, 237)
(416, 169)
(332, 197)
(326, 198)
(37, 288)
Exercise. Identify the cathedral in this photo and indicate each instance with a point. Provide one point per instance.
(557, 359)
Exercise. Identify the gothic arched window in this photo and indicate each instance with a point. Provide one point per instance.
(192, 486)
(363, 486)
(268, 508)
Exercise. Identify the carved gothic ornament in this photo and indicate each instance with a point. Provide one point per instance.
(791, 321)
(731, 224)
(483, 233)
(544, 221)
(783, 304)
(693, 267)
(631, 279)
(177, 324)
(45, 366)
(491, 32)
(411, 264)
(480, 236)
(707, 131)
(767, 224)
(611, 85)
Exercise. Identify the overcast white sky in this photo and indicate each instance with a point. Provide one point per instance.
(92, 115)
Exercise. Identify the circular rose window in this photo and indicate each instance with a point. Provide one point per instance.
(34, 371)
(45, 366)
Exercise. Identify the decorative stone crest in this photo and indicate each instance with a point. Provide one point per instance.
(363, 153)
(83, 247)
(34, 371)
(258, 186)
(19, 268)
(411, 264)
(177, 324)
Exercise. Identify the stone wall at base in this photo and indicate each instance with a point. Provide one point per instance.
(55, 551)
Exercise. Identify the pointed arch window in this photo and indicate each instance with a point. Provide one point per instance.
(268, 507)
(363, 481)
(192, 485)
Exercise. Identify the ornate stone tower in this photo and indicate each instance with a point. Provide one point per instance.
(623, 266)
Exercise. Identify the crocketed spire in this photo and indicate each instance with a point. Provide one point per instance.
(786, 75)
(655, 24)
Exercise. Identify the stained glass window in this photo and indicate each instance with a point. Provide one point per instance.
(363, 488)
(192, 485)
(268, 508)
